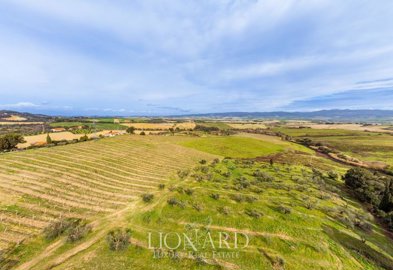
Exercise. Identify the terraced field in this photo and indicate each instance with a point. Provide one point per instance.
(86, 180)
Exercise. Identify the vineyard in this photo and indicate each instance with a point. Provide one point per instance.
(85, 180)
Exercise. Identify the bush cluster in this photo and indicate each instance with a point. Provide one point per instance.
(118, 239)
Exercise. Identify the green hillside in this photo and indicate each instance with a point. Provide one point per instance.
(289, 211)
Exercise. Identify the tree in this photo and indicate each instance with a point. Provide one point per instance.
(10, 141)
(387, 199)
(271, 161)
(48, 139)
(118, 239)
(142, 133)
(131, 130)
(368, 187)
(84, 138)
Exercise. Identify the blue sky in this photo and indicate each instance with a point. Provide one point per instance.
(142, 57)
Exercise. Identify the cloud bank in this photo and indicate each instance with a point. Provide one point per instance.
(173, 57)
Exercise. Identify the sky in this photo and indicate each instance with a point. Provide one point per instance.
(156, 57)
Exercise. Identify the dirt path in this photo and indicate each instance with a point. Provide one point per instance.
(101, 227)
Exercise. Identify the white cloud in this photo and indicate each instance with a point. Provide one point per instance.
(200, 54)
(19, 105)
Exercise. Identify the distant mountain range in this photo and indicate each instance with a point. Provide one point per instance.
(29, 117)
(327, 115)
(324, 115)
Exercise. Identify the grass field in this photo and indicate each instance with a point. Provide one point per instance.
(238, 147)
(161, 126)
(367, 146)
(97, 126)
(220, 125)
(246, 125)
(295, 218)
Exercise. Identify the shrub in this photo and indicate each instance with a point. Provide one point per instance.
(161, 186)
(224, 210)
(189, 191)
(197, 206)
(310, 204)
(78, 232)
(237, 197)
(333, 175)
(364, 225)
(84, 138)
(346, 221)
(251, 199)
(253, 213)
(226, 174)
(118, 239)
(264, 177)
(147, 197)
(215, 196)
(202, 161)
(183, 173)
(142, 133)
(173, 201)
(57, 228)
(284, 210)
(241, 183)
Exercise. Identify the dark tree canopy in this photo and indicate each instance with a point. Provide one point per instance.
(131, 130)
(10, 141)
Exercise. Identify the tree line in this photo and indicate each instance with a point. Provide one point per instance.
(373, 188)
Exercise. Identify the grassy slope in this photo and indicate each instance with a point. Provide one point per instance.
(220, 125)
(304, 239)
(234, 146)
(278, 141)
(368, 146)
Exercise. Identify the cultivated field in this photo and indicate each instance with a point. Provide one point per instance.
(87, 180)
(161, 126)
(21, 123)
(14, 118)
(296, 220)
(247, 125)
(58, 136)
(356, 127)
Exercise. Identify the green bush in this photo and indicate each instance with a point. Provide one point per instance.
(253, 213)
(189, 191)
(147, 197)
(215, 196)
(224, 210)
(284, 209)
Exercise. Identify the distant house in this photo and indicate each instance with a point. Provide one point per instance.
(60, 129)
